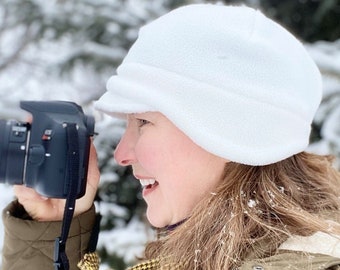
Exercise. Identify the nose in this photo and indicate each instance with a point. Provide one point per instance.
(124, 153)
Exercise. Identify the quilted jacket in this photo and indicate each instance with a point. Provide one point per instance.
(29, 245)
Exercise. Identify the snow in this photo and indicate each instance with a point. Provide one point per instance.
(128, 241)
(327, 57)
(251, 203)
(33, 78)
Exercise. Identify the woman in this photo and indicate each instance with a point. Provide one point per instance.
(219, 103)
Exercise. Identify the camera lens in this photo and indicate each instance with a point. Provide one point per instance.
(3, 152)
(13, 137)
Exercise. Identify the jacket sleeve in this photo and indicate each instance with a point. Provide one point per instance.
(29, 244)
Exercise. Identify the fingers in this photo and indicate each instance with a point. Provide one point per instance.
(26, 193)
(48, 209)
(93, 176)
(39, 207)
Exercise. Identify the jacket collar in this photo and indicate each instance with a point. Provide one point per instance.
(320, 242)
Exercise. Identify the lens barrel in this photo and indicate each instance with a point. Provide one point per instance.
(13, 138)
(3, 150)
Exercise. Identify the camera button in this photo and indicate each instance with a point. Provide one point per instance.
(47, 135)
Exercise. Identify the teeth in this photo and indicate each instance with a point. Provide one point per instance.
(146, 182)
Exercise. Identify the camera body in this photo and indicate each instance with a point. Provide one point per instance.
(36, 154)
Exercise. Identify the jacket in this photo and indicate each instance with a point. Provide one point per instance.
(30, 243)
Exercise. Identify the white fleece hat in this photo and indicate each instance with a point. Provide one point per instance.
(237, 83)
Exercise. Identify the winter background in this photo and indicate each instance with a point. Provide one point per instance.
(66, 50)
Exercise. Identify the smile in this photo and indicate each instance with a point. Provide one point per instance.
(148, 183)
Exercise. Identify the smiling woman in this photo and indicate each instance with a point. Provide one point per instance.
(160, 155)
(219, 102)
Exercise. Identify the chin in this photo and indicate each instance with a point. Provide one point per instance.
(156, 220)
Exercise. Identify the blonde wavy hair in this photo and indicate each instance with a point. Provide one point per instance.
(253, 204)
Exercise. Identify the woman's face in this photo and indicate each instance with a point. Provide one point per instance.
(175, 172)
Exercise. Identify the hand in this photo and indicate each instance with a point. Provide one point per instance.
(46, 209)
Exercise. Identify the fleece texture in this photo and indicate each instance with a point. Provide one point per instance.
(237, 83)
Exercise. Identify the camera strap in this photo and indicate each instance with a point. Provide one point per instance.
(60, 258)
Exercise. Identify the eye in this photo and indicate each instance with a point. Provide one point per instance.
(142, 122)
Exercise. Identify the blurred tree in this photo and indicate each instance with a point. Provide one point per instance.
(311, 20)
(62, 38)
(15, 20)
(68, 40)
(77, 36)
(57, 40)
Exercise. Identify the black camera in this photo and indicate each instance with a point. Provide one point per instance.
(37, 154)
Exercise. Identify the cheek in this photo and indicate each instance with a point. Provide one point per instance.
(149, 154)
